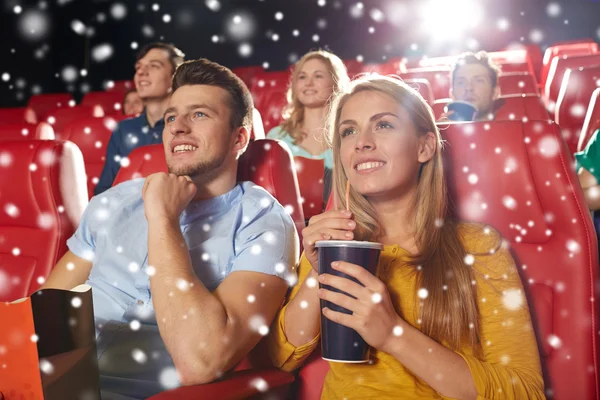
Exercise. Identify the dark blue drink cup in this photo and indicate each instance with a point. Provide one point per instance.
(339, 343)
(463, 111)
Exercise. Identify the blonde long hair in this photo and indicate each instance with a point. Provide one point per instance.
(293, 113)
(450, 313)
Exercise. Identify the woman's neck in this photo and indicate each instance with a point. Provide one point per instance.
(314, 121)
(396, 219)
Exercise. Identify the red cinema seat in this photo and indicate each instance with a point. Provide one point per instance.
(438, 77)
(311, 175)
(120, 86)
(246, 74)
(9, 116)
(91, 135)
(535, 56)
(534, 200)
(41, 104)
(574, 97)
(272, 105)
(517, 83)
(265, 162)
(266, 82)
(381, 69)
(591, 122)
(423, 87)
(566, 49)
(353, 67)
(111, 102)
(514, 107)
(61, 117)
(557, 71)
(42, 192)
(25, 131)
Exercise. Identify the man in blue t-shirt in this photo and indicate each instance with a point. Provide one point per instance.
(154, 67)
(193, 256)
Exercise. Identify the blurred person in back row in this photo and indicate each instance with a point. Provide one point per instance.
(132, 103)
(154, 69)
(315, 78)
(434, 313)
(180, 254)
(475, 81)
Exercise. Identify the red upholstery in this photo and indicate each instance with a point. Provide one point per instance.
(557, 71)
(575, 93)
(59, 118)
(354, 67)
(423, 87)
(381, 69)
(91, 135)
(41, 104)
(272, 106)
(41, 131)
(121, 86)
(111, 102)
(246, 74)
(517, 83)
(310, 174)
(241, 385)
(266, 82)
(567, 49)
(266, 162)
(591, 122)
(9, 116)
(39, 210)
(438, 77)
(538, 206)
(516, 107)
(535, 56)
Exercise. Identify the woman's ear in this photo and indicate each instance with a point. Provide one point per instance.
(427, 147)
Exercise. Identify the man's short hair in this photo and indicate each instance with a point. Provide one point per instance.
(206, 72)
(175, 55)
(480, 58)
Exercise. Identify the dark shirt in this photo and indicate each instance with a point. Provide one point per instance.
(128, 135)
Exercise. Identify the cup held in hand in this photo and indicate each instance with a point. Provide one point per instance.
(463, 111)
(340, 343)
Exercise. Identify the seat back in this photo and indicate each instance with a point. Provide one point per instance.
(267, 82)
(557, 71)
(25, 131)
(41, 104)
(265, 162)
(59, 118)
(42, 204)
(9, 116)
(534, 200)
(517, 83)
(121, 86)
(272, 105)
(423, 87)
(111, 102)
(311, 175)
(91, 135)
(567, 49)
(438, 77)
(591, 122)
(576, 90)
(246, 74)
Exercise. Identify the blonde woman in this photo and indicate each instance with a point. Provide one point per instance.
(316, 76)
(434, 333)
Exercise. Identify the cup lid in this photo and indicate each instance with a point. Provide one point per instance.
(349, 243)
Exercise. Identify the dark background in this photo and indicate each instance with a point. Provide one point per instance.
(51, 58)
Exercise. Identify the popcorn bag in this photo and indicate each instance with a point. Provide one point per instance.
(48, 348)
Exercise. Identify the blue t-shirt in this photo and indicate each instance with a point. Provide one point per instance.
(129, 134)
(279, 133)
(245, 229)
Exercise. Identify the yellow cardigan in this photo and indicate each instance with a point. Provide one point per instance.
(510, 367)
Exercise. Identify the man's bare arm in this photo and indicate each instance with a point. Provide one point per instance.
(206, 333)
(70, 271)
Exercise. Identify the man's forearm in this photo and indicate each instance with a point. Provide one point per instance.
(192, 322)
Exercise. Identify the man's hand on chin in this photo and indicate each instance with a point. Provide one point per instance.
(166, 196)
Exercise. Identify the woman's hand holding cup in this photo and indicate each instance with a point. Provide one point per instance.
(330, 225)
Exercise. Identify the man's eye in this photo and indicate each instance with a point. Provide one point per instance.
(170, 118)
